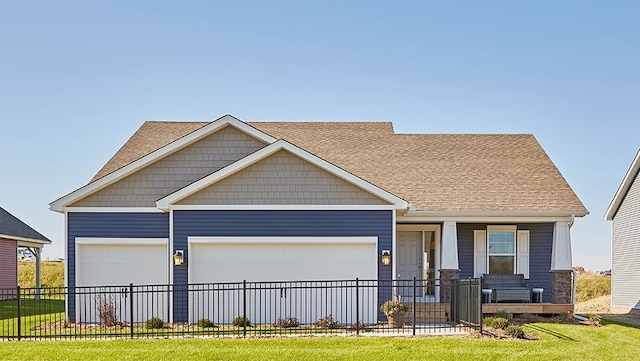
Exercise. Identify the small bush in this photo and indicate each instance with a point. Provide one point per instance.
(287, 322)
(327, 322)
(496, 322)
(154, 322)
(205, 323)
(106, 307)
(241, 321)
(514, 331)
(503, 314)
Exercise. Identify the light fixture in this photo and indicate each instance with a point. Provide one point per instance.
(386, 257)
(178, 257)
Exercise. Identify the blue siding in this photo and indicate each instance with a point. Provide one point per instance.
(117, 225)
(541, 244)
(276, 223)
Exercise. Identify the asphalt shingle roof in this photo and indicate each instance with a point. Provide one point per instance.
(434, 172)
(11, 226)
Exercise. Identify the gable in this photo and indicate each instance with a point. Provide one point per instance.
(165, 176)
(282, 179)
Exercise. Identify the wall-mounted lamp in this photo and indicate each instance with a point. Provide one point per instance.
(178, 257)
(386, 257)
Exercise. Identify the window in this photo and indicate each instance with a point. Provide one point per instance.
(501, 249)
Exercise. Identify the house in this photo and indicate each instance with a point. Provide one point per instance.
(13, 234)
(266, 201)
(624, 212)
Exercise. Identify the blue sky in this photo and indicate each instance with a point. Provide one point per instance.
(77, 79)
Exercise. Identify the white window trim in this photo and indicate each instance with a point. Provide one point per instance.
(513, 229)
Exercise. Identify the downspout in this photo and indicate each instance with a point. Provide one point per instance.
(575, 274)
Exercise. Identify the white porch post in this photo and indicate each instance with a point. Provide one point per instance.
(36, 252)
(561, 252)
(449, 246)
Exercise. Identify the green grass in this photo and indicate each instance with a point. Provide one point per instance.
(590, 286)
(558, 342)
(34, 313)
(51, 274)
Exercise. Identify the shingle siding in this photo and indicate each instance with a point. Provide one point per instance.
(283, 178)
(277, 223)
(109, 225)
(625, 251)
(175, 171)
(541, 245)
(8, 264)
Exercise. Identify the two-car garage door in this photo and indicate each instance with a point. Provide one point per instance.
(256, 259)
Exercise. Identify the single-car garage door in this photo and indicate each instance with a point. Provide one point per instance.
(111, 264)
(262, 259)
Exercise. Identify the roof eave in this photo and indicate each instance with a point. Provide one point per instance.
(627, 181)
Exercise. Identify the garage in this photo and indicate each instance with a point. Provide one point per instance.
(258, 259)
(116, 262)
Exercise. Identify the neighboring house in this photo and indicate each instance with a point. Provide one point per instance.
(267, 201)
(13, 234)
(624, 211)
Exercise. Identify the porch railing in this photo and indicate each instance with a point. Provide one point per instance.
(239, 309)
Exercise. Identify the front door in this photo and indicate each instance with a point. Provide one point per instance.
(409, 246)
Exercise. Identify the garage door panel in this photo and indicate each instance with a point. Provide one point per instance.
(256, 262)
(107, 269)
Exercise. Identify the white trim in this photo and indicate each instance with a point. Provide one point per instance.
(482, 219)
(66, 264)
(621, 193)
(59, 204)
(394, 231)
(170, 262)
(283, 240)
(114, 209)
(121, 241)
(418, 227)
(26, 242)
(492, 214)
(561, 251)
(165, 203)
(269, 207)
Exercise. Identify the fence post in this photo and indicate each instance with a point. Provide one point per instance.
(413, 307)
(244, 308)
(131, 310)
(479, 302)
(19, 315)
(357, 306)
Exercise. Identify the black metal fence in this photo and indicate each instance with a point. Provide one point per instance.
(240, 309)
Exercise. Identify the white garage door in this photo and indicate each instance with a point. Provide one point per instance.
(214, 260)
(109, 265)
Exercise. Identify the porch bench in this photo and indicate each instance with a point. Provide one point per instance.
(507, 288)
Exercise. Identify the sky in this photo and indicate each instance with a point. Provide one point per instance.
(77, 78)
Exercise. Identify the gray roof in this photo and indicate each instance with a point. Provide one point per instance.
(12, 227)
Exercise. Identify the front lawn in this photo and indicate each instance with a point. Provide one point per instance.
(558, 342)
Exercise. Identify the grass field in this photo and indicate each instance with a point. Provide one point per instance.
(52, 274)
(590, 286)
(558, 342)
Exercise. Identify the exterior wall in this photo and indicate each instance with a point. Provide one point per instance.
(117, 225)
(8, 263)
(625, 251)
(283, 178)
(277, 223)
(540, 247)
(175, 171)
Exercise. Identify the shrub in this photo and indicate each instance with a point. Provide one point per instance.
(287, 322)
(514, 331)
(503, 314)
(327, 322)
(106, 307)
(241, 321)
(590, 286)
(154, 322)
(393, 306)
(205, 323)
(496, 322)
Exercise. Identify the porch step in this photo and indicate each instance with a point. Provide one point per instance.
(431, 312)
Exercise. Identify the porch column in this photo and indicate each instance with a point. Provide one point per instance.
(561, 264)
(36, 252)
(449, 268)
